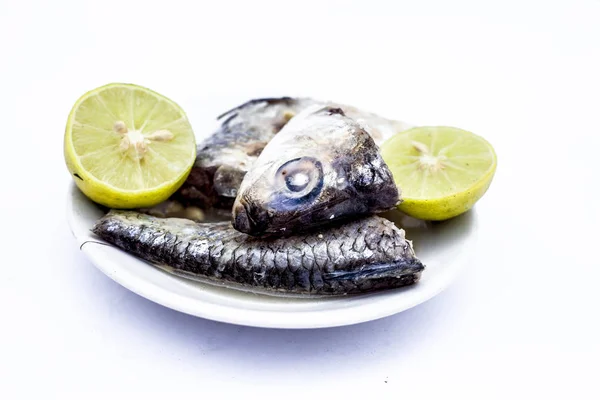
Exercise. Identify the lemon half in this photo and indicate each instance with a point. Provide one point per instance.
(441, 171)
(127, 146)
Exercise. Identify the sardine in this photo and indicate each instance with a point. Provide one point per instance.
(321, 167)
(366, 255)
(224, 157)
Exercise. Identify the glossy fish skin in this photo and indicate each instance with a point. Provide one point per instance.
(362, 256)
(323, 166)
(224, 157)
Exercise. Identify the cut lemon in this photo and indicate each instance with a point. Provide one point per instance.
(441, 171)
(127, 146)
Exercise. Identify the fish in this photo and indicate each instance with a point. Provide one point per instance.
(322, 167)
(366, 255)
(225, 156)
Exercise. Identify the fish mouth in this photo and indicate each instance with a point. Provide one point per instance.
(241, 220)
(244, 221)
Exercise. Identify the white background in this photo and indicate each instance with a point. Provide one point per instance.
(522, 320)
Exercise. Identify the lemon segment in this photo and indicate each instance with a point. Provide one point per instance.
(127, 146)
(441, 171)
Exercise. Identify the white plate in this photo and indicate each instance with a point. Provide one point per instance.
(443, 248)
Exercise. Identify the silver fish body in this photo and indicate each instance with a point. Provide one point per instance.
(224, 157)
(323, 166)
(366, 255)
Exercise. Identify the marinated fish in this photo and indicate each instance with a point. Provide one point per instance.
(224, 158)
(321, 167)
(365, 255)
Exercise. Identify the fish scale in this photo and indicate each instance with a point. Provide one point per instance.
(218, 254)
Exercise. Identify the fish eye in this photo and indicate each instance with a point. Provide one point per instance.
(297, 182)
(300, 176)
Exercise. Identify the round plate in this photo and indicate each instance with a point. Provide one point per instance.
(442, 247)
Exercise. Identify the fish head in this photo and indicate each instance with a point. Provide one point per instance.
(321, 167)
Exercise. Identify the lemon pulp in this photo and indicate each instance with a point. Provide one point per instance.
(441, 171)
(127, 146)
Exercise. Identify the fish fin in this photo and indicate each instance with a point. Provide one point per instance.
(374, 271)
